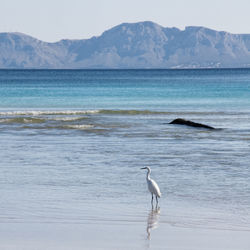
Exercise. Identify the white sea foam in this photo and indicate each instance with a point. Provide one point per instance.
(66, 119)
(49, 112)
(4, 120)
(22, 120)
(82, 127)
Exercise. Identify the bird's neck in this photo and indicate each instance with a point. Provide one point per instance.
(148, 175)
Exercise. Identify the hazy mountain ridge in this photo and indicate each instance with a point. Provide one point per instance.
(130, 45)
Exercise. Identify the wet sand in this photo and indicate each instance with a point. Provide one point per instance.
(151, 233)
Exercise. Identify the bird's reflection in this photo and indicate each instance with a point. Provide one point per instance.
(153, 220)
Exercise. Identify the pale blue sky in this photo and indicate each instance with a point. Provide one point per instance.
(52, 20)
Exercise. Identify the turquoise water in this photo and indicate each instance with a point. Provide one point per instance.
(73, 143)
(175, 90)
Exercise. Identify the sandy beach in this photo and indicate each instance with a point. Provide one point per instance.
(113, 235)
(135, 226)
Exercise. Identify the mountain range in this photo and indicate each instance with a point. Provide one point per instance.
(130, 45)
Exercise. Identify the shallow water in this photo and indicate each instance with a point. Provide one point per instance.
(73, 143)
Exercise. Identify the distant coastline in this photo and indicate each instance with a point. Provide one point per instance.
(143, 45)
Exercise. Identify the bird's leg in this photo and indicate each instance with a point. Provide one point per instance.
(152, 200)
(156, 200)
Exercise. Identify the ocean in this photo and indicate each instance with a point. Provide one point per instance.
(73, 142)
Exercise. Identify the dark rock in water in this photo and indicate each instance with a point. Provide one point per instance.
(181, 121)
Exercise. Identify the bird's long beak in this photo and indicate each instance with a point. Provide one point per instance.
(144, 168)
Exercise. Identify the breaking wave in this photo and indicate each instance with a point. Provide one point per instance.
(108, 112)
(67, 119)
(22, 120)
(48, 112)
(81, 127)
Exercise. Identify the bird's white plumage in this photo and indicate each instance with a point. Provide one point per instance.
(152, 186)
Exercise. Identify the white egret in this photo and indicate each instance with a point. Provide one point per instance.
(153, 188)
